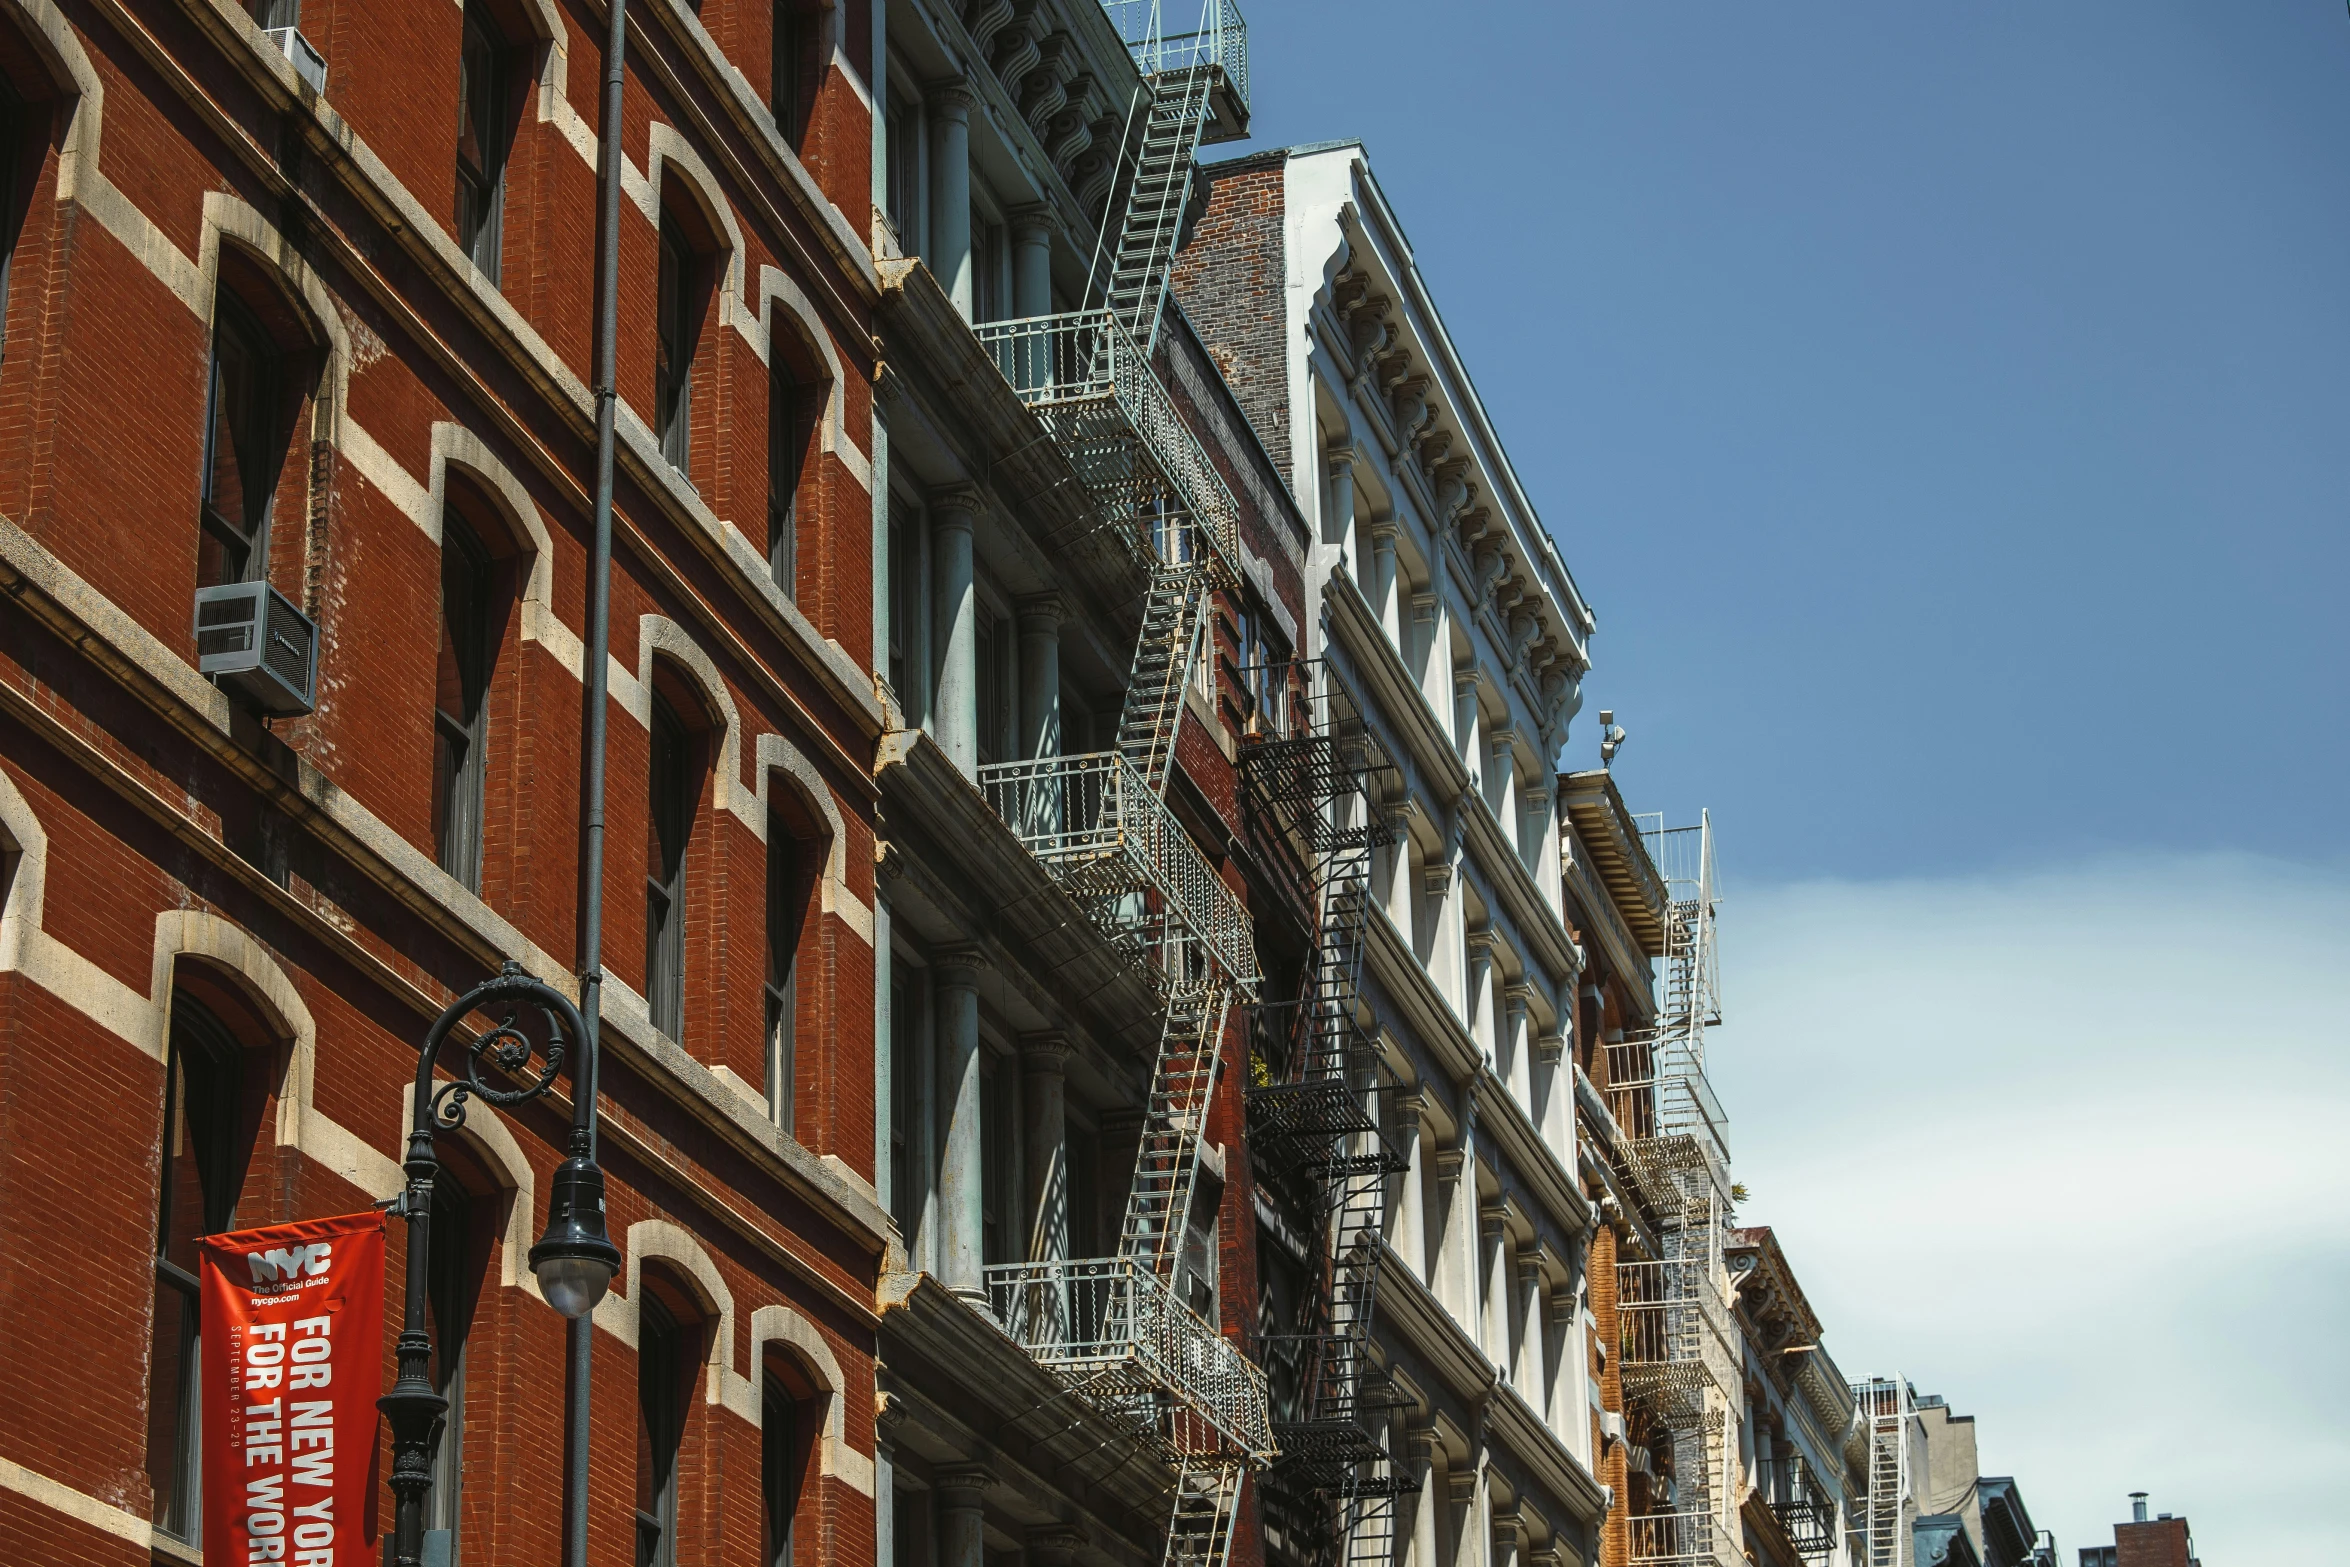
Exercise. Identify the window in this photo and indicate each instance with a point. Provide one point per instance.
(998, 660)
(783, 1449)
(461, 697)
(481, 140)
(203, 1169)
(1198, 1286)
(798, 69)
(240, 448)
(902, 147)
(905, 603)
(671, 786)
(13, 121)
(673, 370)
(786, 897)
(989, 287)
(450, 1277)
(793, 408)
(904, 1026)
(664, 1379)
(999, 1174)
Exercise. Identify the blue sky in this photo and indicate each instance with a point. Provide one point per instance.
(1946, 408)
(1947, 411)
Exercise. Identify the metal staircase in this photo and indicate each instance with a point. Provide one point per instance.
(1305, 790)
(1886, 1407)
(1679, 1340)
(1114, 1330)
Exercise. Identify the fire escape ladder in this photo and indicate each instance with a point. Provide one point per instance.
(1199, 1534)
(1305, 787)
(1139, 269)
(1166, 1167)
(1886, 1407)
(1166, 650)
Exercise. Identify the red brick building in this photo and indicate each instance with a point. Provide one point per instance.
(325, 326)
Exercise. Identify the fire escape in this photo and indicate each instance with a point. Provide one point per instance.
(1886, 1408)
(1114, 1330)
(1313, 1127)
(1680, 1354)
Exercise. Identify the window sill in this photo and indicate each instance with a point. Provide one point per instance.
(167, 1549)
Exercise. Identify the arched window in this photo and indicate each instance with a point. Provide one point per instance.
(207, 1142)
(244, 445)
(15, 125)
(799, 33)
(484, 63)
(453, 1279)
(673, 789)
(795, 406)
(679, 309)
(797, 842)
(470, 623)
(791, 1411)
(667, 1345)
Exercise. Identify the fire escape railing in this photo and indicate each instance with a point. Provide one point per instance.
(1111, 1325)
(1221, 40)
(1094, 388)
(1100, 830)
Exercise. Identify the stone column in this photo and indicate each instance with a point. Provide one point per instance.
(1381, 588)
(1493, 1326)
(1467, 721)
(1032, 260)
(1411, 1212)
(962, 1513)
(1044, 1066)
(1517, 1070)
(1420, 1442)
(1501, 756)
(1480, 992)
(1507, 1533)
(961, 1178)
(955, 711)
(1338, 527)
(1040, 675)
(950, 191)
(1533, 1295)
(1056, 1546)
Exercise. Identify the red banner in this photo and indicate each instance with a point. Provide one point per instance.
(292, 1364)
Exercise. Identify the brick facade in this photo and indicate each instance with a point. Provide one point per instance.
(163, 844)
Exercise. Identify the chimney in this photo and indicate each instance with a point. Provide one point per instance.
(2137, 1507)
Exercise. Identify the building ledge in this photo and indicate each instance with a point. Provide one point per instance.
(1607, 829)
(1547, 1458)
(1432, 1328)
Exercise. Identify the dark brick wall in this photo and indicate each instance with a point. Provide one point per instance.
(1229, 278)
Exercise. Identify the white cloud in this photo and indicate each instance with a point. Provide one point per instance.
(2072, 1148)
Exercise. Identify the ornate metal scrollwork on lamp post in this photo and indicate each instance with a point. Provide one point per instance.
(574, 1259)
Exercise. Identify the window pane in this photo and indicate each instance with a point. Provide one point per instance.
(236, 449)
(460, 708)
(450, 1275)
(670, 822)
(779, 1467)
(660, 1372)
(480, 133)
(174, 1426)
(673, 367)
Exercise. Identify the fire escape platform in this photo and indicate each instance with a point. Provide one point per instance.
(952, 385)
(963, 1392)
(969, 864)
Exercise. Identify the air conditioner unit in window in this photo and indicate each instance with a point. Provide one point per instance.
(309, 64)
(260, 646)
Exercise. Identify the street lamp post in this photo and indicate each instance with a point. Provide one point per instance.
(574, 1259)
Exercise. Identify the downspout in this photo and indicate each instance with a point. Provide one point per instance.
(599, 657)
